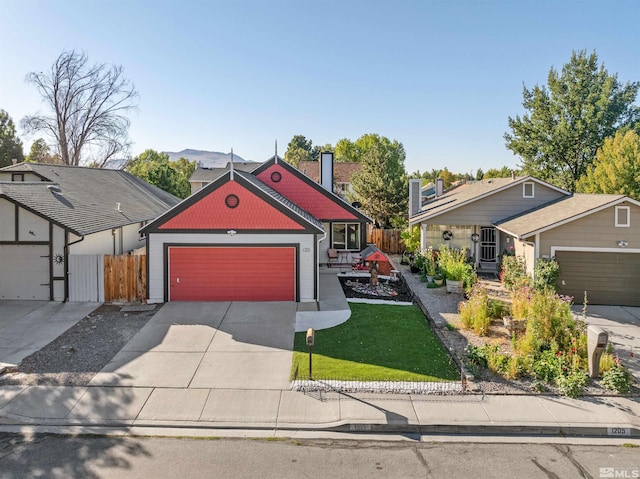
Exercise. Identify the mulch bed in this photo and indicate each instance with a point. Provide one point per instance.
(360, 287)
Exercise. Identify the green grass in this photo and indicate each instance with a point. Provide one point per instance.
(379, 342)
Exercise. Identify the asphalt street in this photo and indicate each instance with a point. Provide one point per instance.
(115, 457)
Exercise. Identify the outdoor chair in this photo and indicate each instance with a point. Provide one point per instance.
(333, 257)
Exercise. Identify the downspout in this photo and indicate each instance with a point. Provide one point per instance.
(66, 262)
(324, 236)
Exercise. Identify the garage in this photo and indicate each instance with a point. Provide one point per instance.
(611, 278)
(24, 272)
(220, 273)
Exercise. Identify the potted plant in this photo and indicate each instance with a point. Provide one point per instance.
(439, 278)
(456, 269)
(430, 269)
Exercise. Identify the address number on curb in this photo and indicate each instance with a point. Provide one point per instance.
(360, 427)
(619, 431)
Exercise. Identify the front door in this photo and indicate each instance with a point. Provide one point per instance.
(488, 247)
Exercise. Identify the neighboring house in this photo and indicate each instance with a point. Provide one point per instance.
(49, 212)
(594, 238)
(342, 173)
(203, 176)
(250, 236)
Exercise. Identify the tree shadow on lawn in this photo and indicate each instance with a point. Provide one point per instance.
(378, 342)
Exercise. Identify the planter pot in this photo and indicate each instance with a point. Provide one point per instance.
(438, 281)
(430, 279)
(508, 321)
(454, 286)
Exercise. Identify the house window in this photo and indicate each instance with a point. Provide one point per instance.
(623, 216)
(528, 190)
(17, 176)
(346, 236)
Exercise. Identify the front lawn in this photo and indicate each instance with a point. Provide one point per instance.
(378, 342)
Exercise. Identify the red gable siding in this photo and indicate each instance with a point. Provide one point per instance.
(305, 196)
(211, 212)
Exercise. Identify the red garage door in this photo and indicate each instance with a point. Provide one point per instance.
(232, 273)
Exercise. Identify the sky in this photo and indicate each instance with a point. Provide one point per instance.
(441, 77)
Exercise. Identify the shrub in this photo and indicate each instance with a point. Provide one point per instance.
(571, 384)
(617, 379)
(497, 308)
(546, 366)
(411, 238)
(474, 313)
(546, 273)
(514, 272)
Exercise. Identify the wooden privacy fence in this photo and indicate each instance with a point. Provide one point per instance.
(388, 241)
(125, 278)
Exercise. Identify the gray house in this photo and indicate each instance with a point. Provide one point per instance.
(594, 238)
(50, 212)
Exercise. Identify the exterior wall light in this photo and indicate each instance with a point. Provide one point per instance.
(623, 243)
(231, 232)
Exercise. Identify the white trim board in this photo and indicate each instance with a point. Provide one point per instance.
(587, 249)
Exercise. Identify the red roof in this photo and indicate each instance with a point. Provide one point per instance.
(220, 210)
(304, 195)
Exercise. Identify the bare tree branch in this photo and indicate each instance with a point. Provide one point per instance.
(88, 107)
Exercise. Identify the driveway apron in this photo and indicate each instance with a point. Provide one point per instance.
(200, 345)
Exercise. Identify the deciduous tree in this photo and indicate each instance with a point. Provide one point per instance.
(156, 168)
(87, 107)
(617, 167)
(567, 121)
(10, 144)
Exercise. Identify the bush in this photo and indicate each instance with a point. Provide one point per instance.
(411, 238)
(514, 272)
(617, 379)
(572, 383)
(546, 272)
(474, 313)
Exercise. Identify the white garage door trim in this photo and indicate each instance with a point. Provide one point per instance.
(593, 250)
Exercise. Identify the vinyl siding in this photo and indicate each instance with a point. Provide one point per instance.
(7, 220)
(498, 206)
(597, 230)
(155, 259)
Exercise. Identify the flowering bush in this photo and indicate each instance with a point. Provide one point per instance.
(617, 378)
(475, 312)
(546, 272)
(514, 272)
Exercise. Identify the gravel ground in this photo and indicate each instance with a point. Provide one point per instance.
(399, 287)
(74, 357)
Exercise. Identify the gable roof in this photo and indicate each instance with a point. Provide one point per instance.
(306, 193)
(255, 187)
(342, 171)
(85, 200)
(557, 213)
(468, 193)
(211, 174)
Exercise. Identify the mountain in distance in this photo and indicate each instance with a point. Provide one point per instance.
(206, 159)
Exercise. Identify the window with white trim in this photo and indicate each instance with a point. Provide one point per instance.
(623, 216)
(345, 236)
(528, 190)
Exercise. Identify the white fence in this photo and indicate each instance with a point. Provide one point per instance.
(86, 277)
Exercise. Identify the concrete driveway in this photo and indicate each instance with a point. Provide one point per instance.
(623, 325)
(200, 345)
(27, 326)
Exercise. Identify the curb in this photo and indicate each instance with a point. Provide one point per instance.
(620, 431)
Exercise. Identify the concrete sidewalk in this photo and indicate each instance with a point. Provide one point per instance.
(211, 409)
